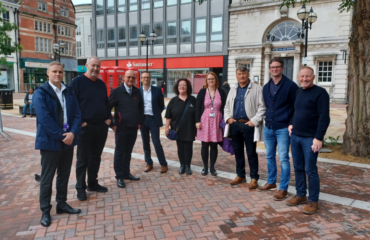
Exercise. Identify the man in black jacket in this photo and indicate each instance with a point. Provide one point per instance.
(128, 118)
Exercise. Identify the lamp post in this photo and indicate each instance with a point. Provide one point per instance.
(143, 38)
(307, 17)
(58, 48)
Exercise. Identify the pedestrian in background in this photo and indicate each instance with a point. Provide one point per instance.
(28, 103)
(226, 88)
(187, 131)
(208, 115)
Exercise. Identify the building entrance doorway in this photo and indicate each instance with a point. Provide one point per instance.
(288, 67)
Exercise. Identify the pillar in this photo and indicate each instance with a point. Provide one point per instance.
(297, 60)
(266, 76)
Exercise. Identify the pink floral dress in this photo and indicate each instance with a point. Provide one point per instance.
(210, 130)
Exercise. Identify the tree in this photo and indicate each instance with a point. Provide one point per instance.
(356, 139)
(6, 48)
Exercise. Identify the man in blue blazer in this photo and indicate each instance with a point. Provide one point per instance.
(153, 107)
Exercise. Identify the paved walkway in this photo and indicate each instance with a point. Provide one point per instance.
(172, 206)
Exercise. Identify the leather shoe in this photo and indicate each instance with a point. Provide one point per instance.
(188, 170)
(253, 184)
(213, 171)
(68, 209)
(131, 177)
(81, 195)
(97, 188)
(120, 183)
(280, 195)
(45, 219)
(37, 177)
(267, 186)
(148, 168)
(182, 169)
(205, 171)
(164, 169)
(238, 180)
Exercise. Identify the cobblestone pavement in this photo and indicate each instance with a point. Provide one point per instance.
(171, 206)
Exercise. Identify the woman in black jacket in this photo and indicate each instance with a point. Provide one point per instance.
(208, 116)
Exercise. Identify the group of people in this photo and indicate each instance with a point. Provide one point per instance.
(80, 114)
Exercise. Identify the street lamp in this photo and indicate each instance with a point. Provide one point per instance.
(142, 38)
(58, 48)
(307, 17)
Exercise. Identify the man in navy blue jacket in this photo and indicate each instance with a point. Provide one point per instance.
(153, 107)
(279, 95)
(58, 122)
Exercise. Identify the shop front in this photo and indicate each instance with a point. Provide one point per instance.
(33, 73)
(7, 76)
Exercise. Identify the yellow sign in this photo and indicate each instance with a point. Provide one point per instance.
(36, 64)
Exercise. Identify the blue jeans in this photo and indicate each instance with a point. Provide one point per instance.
(150, 125)
(25, 109)
(281, 139)
(305, 160)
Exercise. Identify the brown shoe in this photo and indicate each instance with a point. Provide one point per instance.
(280, 195)
(238, 180)
(23, 116)
(296, 200)
(164, 169)
(311, 208)
(267, 186)
(253, 184)
(148, 168)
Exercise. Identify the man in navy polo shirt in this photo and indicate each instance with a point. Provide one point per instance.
(279, 96)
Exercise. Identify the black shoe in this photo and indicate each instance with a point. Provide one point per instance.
(132, 178)
(81, 195)
(205, 171)
(182, 169)
(120, 183)
(213, 171)
(46, 219)
(37, 177)
(68, 209)
(188, 170)
(97, 188)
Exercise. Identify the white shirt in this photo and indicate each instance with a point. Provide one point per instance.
(61, 99)
(127, 88)
(148, 110)
(30, 98)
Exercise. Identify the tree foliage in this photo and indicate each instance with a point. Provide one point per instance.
(346, 5)
(6, 45)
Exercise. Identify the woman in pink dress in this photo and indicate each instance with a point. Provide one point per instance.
(208, 115)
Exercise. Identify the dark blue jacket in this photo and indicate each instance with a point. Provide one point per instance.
(157, 104)
(49, 119)
(280, 108)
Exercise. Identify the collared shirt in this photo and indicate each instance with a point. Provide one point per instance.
(147, 95)
(61, 98)
(129, 90)
(274, 88)
(239, 105)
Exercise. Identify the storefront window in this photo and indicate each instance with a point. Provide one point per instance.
(196, 77)
(34, 77)
(156, 78)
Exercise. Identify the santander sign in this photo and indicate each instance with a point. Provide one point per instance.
(133, 64)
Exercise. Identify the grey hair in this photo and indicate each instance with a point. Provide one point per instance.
(242, 68)
(92, 57)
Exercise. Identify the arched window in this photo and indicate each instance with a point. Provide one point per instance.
(284, 31)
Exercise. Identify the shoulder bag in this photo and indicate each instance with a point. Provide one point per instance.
(172, 135)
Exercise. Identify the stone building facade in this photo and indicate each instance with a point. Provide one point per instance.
(84, 36)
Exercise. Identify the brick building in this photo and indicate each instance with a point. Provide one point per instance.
(42, 24)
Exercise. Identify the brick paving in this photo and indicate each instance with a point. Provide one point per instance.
(171, 206)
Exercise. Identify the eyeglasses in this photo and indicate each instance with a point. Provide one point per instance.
(276, 67)
(145, 77)
(211, 79)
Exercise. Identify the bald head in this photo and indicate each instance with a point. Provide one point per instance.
(130, 78)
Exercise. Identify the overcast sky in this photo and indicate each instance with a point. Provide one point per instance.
(76, 2)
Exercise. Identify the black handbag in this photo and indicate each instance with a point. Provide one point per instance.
(172, 134)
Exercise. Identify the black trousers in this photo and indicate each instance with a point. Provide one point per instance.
(91, 142)
(185, 151)
(243, 134)
(205, 152)
(125, 141)
(51, 162)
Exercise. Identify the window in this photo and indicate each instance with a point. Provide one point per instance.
(216, 29)
(145, 4)
(37, 44)
(110, 6)
(78, 49)
(158, 29)
(111, 38)
(200, 30)
(145, 29)
(49, 50)
(122, 37)
(48, 27)
(121, 6)
(133, 36)
(99, 7)
(158, 3)
(36, 25)
(58, 30)
(67, 28)
(78, 29)
(171, 2)
(6, 16)
(66, 48)
(62, 32)
(325, 71)
(133, 5)
(41, 45)
(44, 27)
(171, 32)
(186, 31)
(245, 64)
(62, 49)
(285, 31)
(40, 26)
(64, 12)
(69, 32)
(185, 1)
(42, 6)
(45, 45)
(100, 38)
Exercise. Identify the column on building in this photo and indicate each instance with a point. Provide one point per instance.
(266, 76)
(297, 60)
